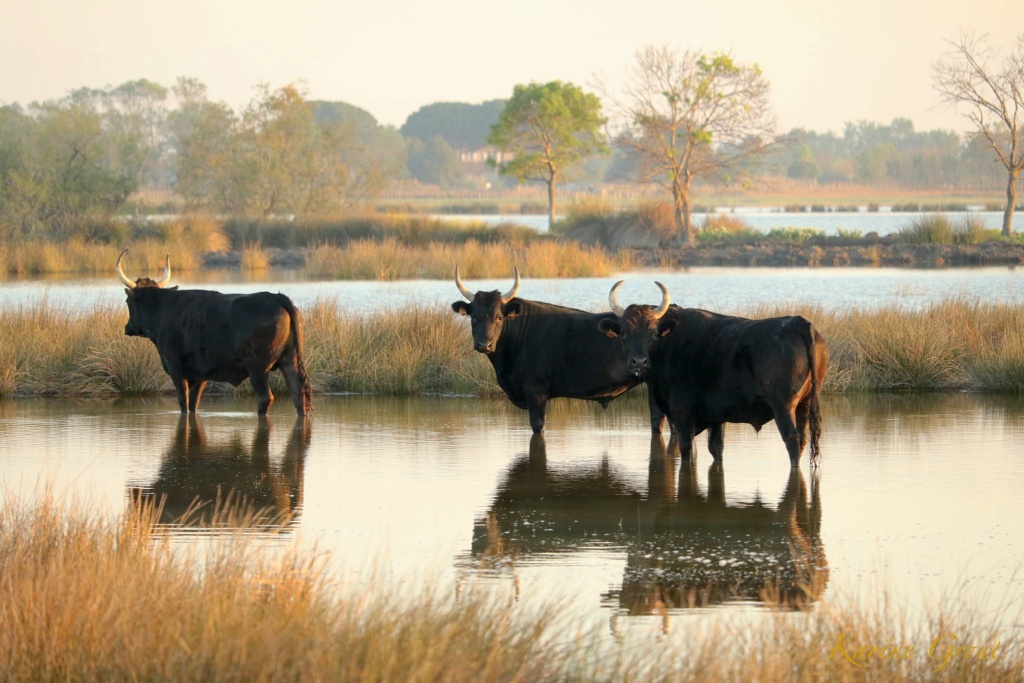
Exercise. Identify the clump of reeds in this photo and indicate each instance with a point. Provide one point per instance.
(939, 228)
(725, 228)
(401, 351)
(254, 257)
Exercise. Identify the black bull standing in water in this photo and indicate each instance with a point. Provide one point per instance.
(206, 336)
(541, 351)
(704, 369)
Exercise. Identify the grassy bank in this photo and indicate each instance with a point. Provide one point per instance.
(91, 599)
(360, 248)
(953, 345)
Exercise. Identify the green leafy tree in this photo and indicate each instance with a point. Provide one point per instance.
(281, 155)
(548, 128)
(371, 155)
(464, 126)
(434, 162)
(201, 133)
(992, 94)
(61, 161)
(803, 166)
(688, 115)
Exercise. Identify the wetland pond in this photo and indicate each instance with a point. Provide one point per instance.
(916, 496)
(917, 499)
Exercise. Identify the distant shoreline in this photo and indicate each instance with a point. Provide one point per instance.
(826, 253)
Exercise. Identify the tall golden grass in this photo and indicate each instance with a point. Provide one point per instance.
(392, 259)
(87, 598)
(953, 345)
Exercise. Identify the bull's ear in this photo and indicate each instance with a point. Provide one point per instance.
(666, 327)
(512, 308)
(609, 326)
(127, 291)
(461, 307)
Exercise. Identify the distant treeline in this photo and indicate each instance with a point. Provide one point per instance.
(94, 151)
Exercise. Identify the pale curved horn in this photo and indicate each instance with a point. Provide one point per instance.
(167, 272)
(120, 273)
(510, 294)
(613, 300)
(663, 308)
(462, 288)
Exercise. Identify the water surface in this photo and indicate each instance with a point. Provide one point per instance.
(919, 496)
(721, 289)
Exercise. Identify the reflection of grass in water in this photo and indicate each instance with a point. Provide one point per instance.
(952, 345)
(92, 599)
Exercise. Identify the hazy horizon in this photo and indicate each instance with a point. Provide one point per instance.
(828, 63)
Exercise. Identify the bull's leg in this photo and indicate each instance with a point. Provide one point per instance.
(295, 386)
(785, 420)
(657, 416)
(803, 409)
(684, 436)
(537, 409)
(716, 441)
(261, 385)
(181, 387)
(195, 393)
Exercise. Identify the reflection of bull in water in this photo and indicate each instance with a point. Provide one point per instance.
(230, 484)
(684, 548)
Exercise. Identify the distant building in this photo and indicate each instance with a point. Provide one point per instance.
(482, 154)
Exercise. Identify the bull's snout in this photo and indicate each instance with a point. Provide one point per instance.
(130, 331)
(483, 346)
(639, 365)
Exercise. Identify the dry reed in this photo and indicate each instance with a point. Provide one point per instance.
(952, 345)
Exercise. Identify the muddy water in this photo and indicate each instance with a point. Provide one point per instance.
(917, 495)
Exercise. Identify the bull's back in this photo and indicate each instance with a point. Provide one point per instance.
(226, 334)
(565, 355)
(733, 364)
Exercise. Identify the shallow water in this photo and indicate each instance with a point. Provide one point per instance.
(721, 289)
(920, 496)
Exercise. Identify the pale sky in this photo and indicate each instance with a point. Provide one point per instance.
(828, 61)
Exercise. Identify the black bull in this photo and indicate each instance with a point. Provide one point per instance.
(204, 336)
(540, 351)
(704, 369)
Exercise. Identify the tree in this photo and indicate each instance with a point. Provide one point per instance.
(688, 115)
(282, 155)
(993, 95)
(434, 162)
(803, 166)
(464, 126)
(548, 128)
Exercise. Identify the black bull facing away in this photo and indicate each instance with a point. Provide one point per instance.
(206, 336)
(541, 351)
(704, 369)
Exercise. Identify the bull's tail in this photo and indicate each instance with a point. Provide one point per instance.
(814, 408)
(305, 398)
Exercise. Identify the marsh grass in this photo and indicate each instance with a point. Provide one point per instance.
(90, 598)
(940, 228)
(391, 259)
(953, 345)
(254, 258)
